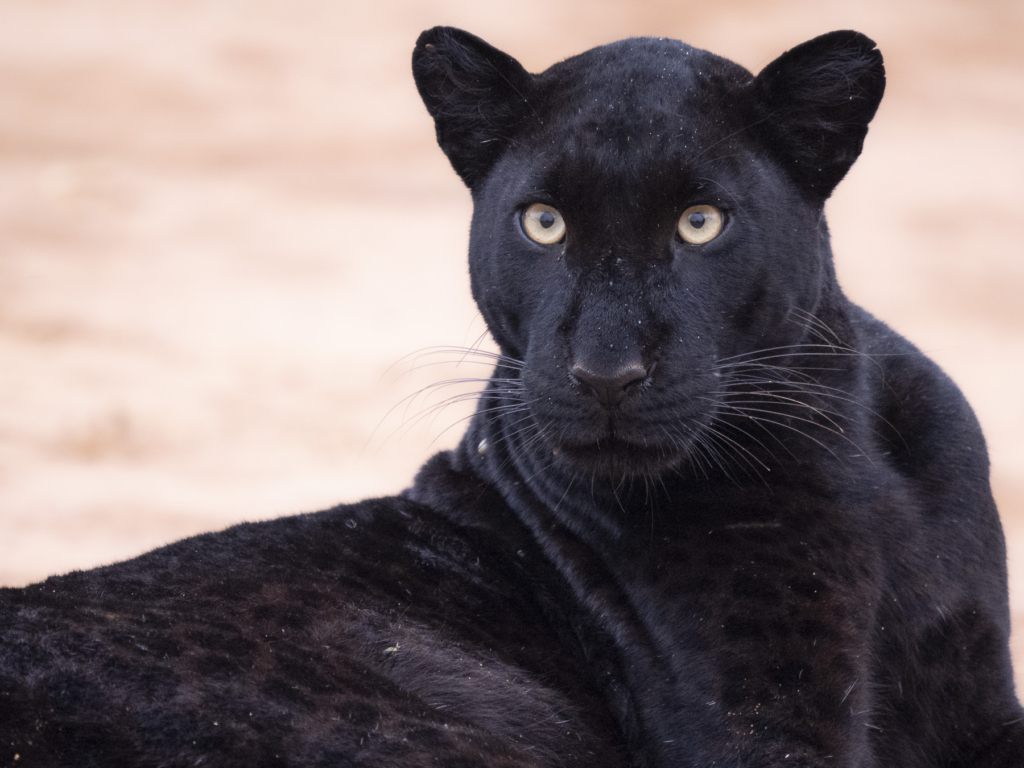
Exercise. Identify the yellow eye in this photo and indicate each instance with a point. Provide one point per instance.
(543, 224)
(700, 223)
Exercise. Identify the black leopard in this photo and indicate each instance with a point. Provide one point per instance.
(708, 511)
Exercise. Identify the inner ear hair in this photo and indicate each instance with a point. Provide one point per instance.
(813, 105)
(476, 94)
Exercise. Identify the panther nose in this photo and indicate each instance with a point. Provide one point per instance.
(609, 389)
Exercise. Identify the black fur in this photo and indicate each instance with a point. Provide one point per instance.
(779, 549)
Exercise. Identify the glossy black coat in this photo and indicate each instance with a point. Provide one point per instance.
(778, 547)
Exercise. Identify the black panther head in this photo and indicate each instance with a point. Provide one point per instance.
(647, 216)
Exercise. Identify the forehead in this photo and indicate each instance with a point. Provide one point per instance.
(636, 102)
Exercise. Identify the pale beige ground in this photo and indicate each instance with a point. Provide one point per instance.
(222, 222)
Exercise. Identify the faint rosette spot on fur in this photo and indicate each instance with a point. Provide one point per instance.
(351, 523)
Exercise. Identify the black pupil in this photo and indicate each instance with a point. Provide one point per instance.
(696, 220)
(547, 219)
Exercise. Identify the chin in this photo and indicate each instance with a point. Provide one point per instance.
(613, 457)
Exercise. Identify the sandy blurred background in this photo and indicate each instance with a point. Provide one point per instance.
(222, 222)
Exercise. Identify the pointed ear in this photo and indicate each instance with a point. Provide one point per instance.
(814, 104)
(476, 94)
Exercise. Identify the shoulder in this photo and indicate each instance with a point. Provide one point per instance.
(914, 389)
(931, 434)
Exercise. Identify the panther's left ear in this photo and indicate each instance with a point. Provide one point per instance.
(813, 106)
(476, 94)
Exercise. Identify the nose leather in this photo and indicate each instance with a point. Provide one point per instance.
(609, 389)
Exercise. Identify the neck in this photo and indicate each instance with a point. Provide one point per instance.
(643, 558)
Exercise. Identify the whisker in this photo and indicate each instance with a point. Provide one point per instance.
(711, 432)
(745, 414)
(817, 321)
(799, 403)
(832, 350)
(818, 390)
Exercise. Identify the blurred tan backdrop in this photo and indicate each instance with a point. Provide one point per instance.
(222, 222)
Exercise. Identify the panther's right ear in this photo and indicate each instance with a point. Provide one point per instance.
(476, 94)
